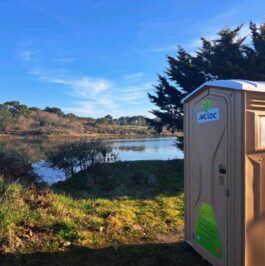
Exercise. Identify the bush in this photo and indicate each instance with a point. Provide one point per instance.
(15, 165)
(79, 155)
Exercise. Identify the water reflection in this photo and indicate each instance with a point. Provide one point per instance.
(131, 148)
(34, 149)
(146, 149)
(128, 150)
(48, 174)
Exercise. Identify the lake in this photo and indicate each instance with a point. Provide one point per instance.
(146, 149)
(127, 150)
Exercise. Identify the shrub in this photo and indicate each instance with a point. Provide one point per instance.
(15, 165)
(79, 155)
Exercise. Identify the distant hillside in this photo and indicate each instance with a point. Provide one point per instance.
(20, 120)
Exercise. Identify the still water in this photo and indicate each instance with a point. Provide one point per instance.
(146, 149)
(127, 150)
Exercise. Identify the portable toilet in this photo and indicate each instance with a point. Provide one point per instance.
(224, 130)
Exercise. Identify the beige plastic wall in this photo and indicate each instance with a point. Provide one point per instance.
(207, 146)
(255, 181)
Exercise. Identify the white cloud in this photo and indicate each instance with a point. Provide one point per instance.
(134, 77)
(107, 103)
(110, 101)
(26, 55)
(81, 108)
(225, 16)
(95, 108)
(133, 94)
(162, 49)
(97, 97)
(84, 86)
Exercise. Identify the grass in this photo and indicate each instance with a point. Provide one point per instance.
(131, 210)
(131, 179)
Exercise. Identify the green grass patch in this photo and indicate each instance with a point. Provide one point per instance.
(128, 204)
(132, 179)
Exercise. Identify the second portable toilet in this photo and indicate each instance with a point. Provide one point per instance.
(224, 130)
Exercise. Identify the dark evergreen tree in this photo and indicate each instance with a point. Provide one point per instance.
(229, 56)
(256, 68)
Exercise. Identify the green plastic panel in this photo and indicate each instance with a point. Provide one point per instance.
(207, 234)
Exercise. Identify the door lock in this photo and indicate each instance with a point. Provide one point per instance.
(222, 169)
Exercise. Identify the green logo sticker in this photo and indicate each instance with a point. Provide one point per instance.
(207, 234)
(206, 105)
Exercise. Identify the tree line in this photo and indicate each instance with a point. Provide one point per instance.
(15, 116)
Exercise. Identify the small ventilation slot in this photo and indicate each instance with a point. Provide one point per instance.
(257, 103)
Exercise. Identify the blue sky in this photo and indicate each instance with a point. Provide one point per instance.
(101, 57)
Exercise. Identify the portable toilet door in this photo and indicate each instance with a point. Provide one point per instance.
(255, 179)
(207, 136)
(215, 161)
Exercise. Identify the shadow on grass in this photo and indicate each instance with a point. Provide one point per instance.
(131, 179)
(142, 255)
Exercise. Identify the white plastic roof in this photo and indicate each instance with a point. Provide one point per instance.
(234, 84)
